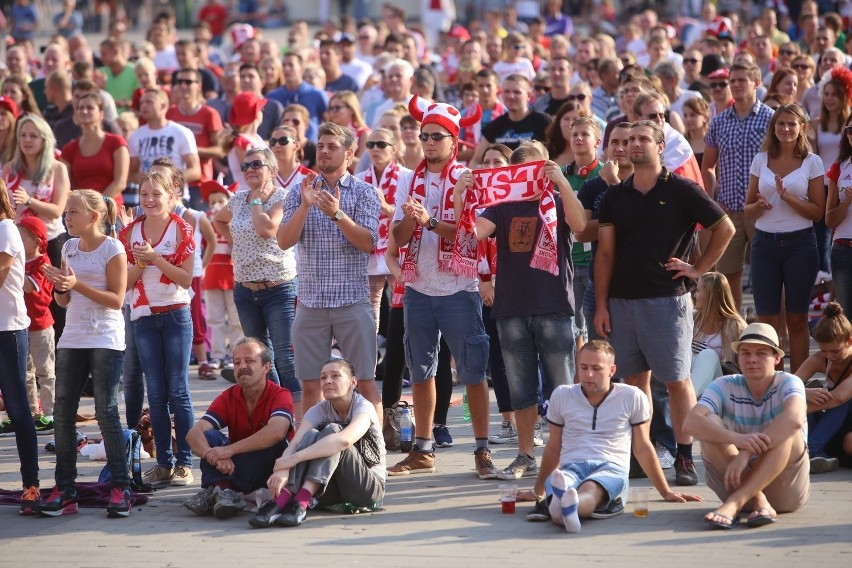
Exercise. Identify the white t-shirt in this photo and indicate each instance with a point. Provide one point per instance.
(171, 141)
(166, 60)
(358, 70)
(13, 312)
(523, 67)
(844, 229)
(685, 95)
(89, 325)
(601, 433)
(378, 266)
(782, 218)
(430, 280)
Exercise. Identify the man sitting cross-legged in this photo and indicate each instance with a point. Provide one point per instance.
(753, 429)
(594, 424)
(258, 414)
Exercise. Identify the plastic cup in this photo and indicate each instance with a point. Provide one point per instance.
(640, 501)
(508, 496)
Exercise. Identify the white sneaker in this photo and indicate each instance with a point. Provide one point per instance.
(507, 434)
(665, 457)
(538, 437)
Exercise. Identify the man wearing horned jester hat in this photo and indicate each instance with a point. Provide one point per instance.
(438, 302)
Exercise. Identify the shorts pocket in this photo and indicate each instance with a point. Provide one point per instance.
(476, 354)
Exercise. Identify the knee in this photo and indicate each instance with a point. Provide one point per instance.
(331, 428)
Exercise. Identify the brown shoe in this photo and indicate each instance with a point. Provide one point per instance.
(484, 466)
(414, 462)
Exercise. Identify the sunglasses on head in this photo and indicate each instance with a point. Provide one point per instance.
(719, 85)
(380, 144)
(581, 97)
(435, 136)
(284, 140)
(253, 165)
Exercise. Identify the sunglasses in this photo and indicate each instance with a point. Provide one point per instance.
(784, 52)
(581, 97)
(380, 144)
(435, 136)
(185, 81)
(656, 116)
(801, 66)
(335, 108)
(253, 165)
(720, 85)
(690, 61)
(284, 140)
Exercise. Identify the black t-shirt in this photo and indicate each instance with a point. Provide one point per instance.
(522, 290)
(652, 228)
(501, 130)
(591, 195)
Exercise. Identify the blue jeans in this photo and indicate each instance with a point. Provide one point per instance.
(787, 260)
(268, 316)
(527, 342)
(582, 281)
(132, 378)
(14, 351)
(72, 372)
(164, 342)
(823, 426)
(251, 469)
(841, 271)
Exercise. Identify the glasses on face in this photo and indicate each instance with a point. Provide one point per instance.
(253, 165)
(631, 91)
(186, 82)
(518, 46)
(801, 66)
(690, 61)
(435, 136)
(785, 52)
(719, 85)
(581, 97)
(336, 108)
(283, 141)
(542, 89)
(656, 116)
(380, 144)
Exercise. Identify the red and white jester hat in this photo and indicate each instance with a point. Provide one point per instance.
(444, 115)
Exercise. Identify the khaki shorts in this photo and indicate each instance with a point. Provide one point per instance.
(733, 259)
(787, 493)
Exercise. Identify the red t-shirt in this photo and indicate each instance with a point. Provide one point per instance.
(204, 123)
(230, 410)
(38, 301)
(96, 171)
(215, 15)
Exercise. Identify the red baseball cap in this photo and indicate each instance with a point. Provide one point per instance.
(245, 109)
(37, 227)
(722, 73)
(10, 105)
(210, 186)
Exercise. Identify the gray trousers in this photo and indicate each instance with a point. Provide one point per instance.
(344, 476)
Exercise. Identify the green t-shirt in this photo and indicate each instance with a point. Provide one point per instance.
(121, 86)
(581, 253)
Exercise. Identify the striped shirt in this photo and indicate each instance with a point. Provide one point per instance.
(332, 272)
(737, 140)
(729, 399)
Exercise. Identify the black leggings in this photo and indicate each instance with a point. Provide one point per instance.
(54, 253)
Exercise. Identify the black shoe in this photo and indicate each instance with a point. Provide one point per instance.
(540, 513)
(685, 472)
(266, 515)
(228, 375)
(293, 515)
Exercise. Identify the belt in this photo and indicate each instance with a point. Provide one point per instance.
(262, 284)
(785, 236)
(843, 242)
(167, 309)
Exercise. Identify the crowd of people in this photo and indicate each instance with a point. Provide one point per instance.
(253, 209)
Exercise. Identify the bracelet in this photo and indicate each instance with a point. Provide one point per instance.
(29, 200)
(60, 292)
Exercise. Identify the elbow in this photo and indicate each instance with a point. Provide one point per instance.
(266, 233)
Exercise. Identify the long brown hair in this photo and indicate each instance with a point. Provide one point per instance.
(719, 310)
(6, 210)
(824, 117)
(772, 146)
(553, 138)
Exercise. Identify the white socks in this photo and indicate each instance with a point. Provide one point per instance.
(563, 505)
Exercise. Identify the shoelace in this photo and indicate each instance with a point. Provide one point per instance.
(31, 493)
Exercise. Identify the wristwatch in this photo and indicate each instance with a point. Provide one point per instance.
(255, 201)
(338, 215)
(432, 224)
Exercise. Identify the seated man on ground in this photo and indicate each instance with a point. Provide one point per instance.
(259, 417)
(337, 455)
(753, 429)
(594, 425)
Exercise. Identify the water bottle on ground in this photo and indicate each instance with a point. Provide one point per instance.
(406, 431)
(466, 408)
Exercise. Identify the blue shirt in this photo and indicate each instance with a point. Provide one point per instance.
(738, 140)
(306, 95)
(23, 15)
(332, 272)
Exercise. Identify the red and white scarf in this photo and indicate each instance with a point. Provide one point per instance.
(521, 182)
(387, 185)
(449, 176)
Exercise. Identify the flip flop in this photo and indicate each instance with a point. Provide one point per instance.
(759, 521)
(734, 521)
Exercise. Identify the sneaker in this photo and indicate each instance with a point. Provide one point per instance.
(43, 423)
(228, 374)
(266, 515)
(206, 372)
(821, 464)
(664, 456)
(685, 472)
(507, 434)
(182, 476)
(202, 502)
(216, 364)
(227, 503)
(30, 501)
(616, 508)
(442, 436)
(293, 515)
(59, 503)
(120, 503)
(414, 462)
(484, 466)
(538, 438)
(540, 512)
(158, 476)
(522, 466)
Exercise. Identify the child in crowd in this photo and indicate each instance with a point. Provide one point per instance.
(222, 318)
(828, 407)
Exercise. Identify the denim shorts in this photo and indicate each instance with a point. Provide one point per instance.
(652, 334)
(610, 476)
(458, 318)
(783, 260)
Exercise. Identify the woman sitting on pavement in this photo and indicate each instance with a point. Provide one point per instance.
(325, 459)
